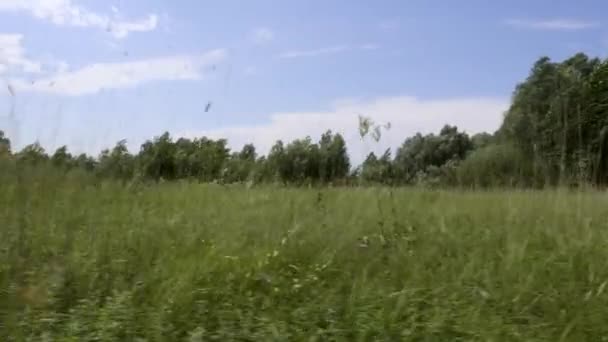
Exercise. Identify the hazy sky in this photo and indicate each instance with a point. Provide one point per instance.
(87, 73)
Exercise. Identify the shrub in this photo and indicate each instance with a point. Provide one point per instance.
(495, 165)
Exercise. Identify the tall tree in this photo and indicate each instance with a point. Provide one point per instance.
(420, 154)
(595, 122)
(33, 154)
(334, 163)
(302, 161)
(378, 170)
(85, 162)
(117, 163)
(156, 158)
(548, 118)
(276, 164)
(241, 165)
(62, 158)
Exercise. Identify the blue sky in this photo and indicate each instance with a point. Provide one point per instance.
(87, 73)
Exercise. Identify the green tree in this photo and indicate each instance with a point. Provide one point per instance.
(301, 162)
(33, 154)
(377, 170)
(276, 165)
(62, 158)
(549, 118)
(211, 156)
(334, 163)
(420, 154)
(240, 167)
(85, 162)
(117, 163)
(595, 123)
(185, 163)
(5, 145)
(501, 165)
(157, 158)
(481, 140)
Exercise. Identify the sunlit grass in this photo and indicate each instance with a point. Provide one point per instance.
(82, 261)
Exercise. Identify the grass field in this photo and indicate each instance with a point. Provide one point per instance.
(190, 262)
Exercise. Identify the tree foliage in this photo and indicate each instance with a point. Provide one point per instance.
(423, 155)
(557, 115)
(554, 132)
(495, 165)
(5, 145)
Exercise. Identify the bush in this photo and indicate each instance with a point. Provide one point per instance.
(495, 165)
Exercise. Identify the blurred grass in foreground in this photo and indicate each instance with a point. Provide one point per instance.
(81, 261)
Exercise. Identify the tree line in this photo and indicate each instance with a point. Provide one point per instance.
(555, 132)
(202, 159)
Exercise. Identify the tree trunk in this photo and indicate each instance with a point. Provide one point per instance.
(601, 169)
(564, 156)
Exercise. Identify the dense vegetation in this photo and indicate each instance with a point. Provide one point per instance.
(201, 262)
(555, 132)
(90, 252)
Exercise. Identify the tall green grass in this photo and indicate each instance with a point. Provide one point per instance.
(87, 261)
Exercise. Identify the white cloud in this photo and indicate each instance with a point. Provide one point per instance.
(315, 52)
(407, 116)
(14, 59)
(262, 35)
(12, 55)
(121, 29)
(553, 24)
(96, 77)
(66, 13)
(325, 51)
